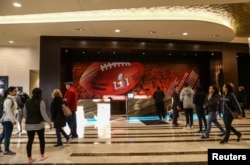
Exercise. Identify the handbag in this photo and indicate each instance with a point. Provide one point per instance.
(233, 113)
(66, 111)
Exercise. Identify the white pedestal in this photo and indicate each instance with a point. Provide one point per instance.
(103, 111)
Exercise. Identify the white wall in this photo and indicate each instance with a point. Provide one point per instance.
(16, 62)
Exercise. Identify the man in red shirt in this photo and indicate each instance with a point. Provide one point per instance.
(71, 99)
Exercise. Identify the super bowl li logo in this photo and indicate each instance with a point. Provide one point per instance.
(121, 82)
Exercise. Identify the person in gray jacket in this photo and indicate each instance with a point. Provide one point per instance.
(186, 97)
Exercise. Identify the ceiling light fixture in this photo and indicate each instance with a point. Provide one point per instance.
(11, 42)
(16, 4)
(185, 33)
(183, 13)
(80, 29)
(152, 32)
(117, 30)
(216, 35)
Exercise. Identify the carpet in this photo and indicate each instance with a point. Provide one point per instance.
(153, 122)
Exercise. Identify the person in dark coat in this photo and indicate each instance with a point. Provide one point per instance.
(159, 102)
(228, 103)
(176, 105)
(198, 100)
(241, 97)
(58, 117)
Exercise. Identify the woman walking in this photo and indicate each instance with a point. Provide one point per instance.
(8, 119)
(58, 117)
(211, 104)
(228, 103)
(35, 114)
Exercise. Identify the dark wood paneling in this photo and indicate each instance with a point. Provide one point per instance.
(50, 62)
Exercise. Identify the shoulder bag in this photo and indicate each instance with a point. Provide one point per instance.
(66, 111)
(234, 113)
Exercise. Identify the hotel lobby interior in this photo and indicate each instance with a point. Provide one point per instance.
(165, 37)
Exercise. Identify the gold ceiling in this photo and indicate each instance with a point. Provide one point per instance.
(240, 14)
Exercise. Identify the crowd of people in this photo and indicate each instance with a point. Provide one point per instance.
(207, 105)
(35, 114)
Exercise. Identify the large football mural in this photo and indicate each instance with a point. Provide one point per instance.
(118, 78)
(111, 78)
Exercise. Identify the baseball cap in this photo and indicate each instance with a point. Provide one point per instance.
(69, 83)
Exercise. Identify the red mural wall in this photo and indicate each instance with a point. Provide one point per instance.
(93, 80)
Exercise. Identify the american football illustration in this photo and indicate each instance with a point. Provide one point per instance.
(111, 78)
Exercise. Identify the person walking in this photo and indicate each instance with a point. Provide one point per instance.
(241, 97)
(199, 99)
(159, 102)
(176, 105)
(186, 97)
(58, 118)
(21, 99)
(228, 103)
(71, 99)
(8, 119)
(35, 114)
(211, 104)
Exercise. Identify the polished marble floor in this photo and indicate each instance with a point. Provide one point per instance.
(125, 141)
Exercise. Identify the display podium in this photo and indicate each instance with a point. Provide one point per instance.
(103, 111)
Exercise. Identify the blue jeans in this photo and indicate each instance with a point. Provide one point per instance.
(6, 134)
(212, 117)
(72, 123)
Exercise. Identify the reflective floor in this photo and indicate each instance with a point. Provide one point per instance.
(125, 141)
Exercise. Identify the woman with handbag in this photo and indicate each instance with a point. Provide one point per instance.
(228, 105)
(58, 117)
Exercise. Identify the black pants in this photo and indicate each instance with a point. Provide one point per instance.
(228, 119)
(31, 135)
(60, 131)
(201, 117)
(175, 116)
(189, 116)
(160, 110)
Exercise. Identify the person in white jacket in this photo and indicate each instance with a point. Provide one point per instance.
(8, 119)
(186, 97)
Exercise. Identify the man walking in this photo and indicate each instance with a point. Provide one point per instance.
(71, 99)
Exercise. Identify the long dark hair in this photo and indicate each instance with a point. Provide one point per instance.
(37, 94)
(229, 88)
(216, 90)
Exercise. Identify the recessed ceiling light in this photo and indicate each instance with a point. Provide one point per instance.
(79, 29)
(16, 4)
(216, 35)
(117, 30)
(152, 32)
(185, 33)
(11, 42)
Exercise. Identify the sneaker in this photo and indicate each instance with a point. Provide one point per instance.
(199, 132)
(58, 145)
(204, 136)
(68, 140)
(239, 137)
(9, 153)
(223, 142)
(74, 137)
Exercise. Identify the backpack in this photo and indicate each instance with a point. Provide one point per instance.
(23, 97)
(2, 99)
